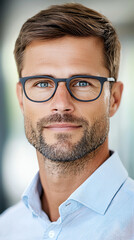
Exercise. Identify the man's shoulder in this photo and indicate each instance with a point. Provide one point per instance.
(129, 186)
(17, 222)
(15, 212)
(12, 217)
(125, 198)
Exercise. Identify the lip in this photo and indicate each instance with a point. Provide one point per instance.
(62, 127)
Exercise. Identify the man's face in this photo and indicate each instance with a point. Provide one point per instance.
(64, 129)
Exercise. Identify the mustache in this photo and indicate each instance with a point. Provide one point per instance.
(58, 118)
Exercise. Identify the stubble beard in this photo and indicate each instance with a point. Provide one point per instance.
(63, 153)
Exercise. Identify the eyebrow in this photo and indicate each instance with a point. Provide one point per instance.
(73, 75)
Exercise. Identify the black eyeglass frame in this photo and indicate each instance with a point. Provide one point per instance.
(102, 80)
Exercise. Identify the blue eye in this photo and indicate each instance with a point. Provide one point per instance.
(43, 84)
(81, 84)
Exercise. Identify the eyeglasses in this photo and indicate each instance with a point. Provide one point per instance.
(83, 88)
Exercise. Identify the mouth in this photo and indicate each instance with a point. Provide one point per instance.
(63, 127)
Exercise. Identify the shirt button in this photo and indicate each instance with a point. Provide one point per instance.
(51, 234)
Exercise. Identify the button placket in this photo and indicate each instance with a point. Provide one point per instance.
(51, 234)
(52, 231)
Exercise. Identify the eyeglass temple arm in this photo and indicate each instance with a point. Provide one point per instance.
(111, 79)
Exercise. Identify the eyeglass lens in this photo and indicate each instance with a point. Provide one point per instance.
(41, 89)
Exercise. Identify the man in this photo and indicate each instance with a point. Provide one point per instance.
(68, 58)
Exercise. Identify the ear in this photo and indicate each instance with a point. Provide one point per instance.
(19, 92)
(115, 99)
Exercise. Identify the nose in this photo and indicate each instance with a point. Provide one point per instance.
(62, 101)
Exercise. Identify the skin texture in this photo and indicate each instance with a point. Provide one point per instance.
(63, 58)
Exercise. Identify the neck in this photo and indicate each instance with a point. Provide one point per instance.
(60, 180)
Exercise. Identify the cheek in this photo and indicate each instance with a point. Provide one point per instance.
(96, 109)
(103, 103)
(106, 95)
(34, 111)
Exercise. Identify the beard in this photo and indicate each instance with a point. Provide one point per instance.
(64, 150)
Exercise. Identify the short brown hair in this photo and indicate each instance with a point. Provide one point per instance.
(73, 20)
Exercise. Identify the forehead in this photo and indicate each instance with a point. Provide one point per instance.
(65, 52)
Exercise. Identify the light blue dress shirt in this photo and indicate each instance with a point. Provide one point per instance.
(102, 208)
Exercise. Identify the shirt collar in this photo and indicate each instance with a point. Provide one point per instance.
(100, 188)
(95, 193)
(31, 196)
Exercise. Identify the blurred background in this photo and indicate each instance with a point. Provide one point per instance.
(18, 162)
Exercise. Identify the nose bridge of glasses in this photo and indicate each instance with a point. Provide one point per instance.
(64, 80)
(61, 80)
